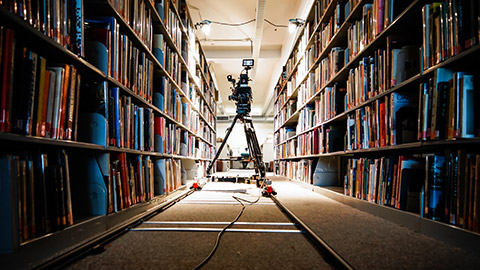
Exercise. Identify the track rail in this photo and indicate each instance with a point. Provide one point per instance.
(98, 242)
(328, 253)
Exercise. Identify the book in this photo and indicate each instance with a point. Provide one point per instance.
(403, 117)
(435, 181)
(466, 128)
(411, 181)
(97, 44)
(9, 233)
(160, 177)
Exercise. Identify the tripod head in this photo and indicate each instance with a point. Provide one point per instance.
(241, 91)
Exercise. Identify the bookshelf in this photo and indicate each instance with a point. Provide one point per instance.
(133, 119)
(354, 96)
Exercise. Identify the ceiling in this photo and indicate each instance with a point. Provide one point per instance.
(226, 46)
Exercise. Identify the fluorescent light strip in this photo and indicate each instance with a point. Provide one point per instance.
(220, 223)
(214, 230)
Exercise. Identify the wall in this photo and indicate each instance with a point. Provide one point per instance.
(238, 142)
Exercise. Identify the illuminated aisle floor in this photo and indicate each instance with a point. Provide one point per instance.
(364, 240)
(278, 244)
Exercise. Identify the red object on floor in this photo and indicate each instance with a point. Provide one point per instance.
(195, 185)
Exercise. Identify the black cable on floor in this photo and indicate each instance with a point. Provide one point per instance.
(217, 241)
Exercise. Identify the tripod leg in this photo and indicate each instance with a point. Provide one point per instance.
(254, 147)
(212, 162)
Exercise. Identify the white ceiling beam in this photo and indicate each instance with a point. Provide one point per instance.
(257, 41)
(212, 55)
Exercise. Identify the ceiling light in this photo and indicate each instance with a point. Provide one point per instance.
(293, 24)
(204, 26)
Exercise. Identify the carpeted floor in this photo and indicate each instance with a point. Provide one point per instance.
(367, 241)
(237, 250)
(364, 240)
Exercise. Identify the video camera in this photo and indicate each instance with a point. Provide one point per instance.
(241, 92)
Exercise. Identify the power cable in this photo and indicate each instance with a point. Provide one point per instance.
(217, 241)
(275, 25)
(233, 24)
(247, 22)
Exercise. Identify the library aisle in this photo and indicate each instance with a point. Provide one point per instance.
(283, 247)
(363, 240)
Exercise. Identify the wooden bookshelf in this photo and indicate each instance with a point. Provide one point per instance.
(27, 148)
(301, 139)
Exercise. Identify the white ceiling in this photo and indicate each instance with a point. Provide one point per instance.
(226, 46)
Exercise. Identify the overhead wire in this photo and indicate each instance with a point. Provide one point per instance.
(247, 22)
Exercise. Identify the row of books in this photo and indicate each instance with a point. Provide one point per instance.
(138, 16)
(360, 33)
(171, 63)
(37, 98)
(438, 187)
(199, 103)
(61, 21)
(284, 134)
(375, 18)
(170, 139)
(390, 120)
(118, 122)
(315, 80)
(391, 181)
(129, 125)
(449, 27)
(318, 141)
(320, 38)
(446, 106)
(451, 189)
(173, 24)
(378, 73)
(384, 12)
(319, 9)
(329, 104)
(285, 114)
(322, 139)
(328, 29)
(131, 181)
(297, 170)
(287, 149)
(35, 194)
(339, 57)
(114, 54)
(168, 99)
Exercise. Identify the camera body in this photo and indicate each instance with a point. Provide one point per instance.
(241, 91)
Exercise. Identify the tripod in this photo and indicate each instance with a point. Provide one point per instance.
(253, 147)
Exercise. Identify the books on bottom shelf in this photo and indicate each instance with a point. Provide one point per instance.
(297, 170)
(439, 187)
(35, 196)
